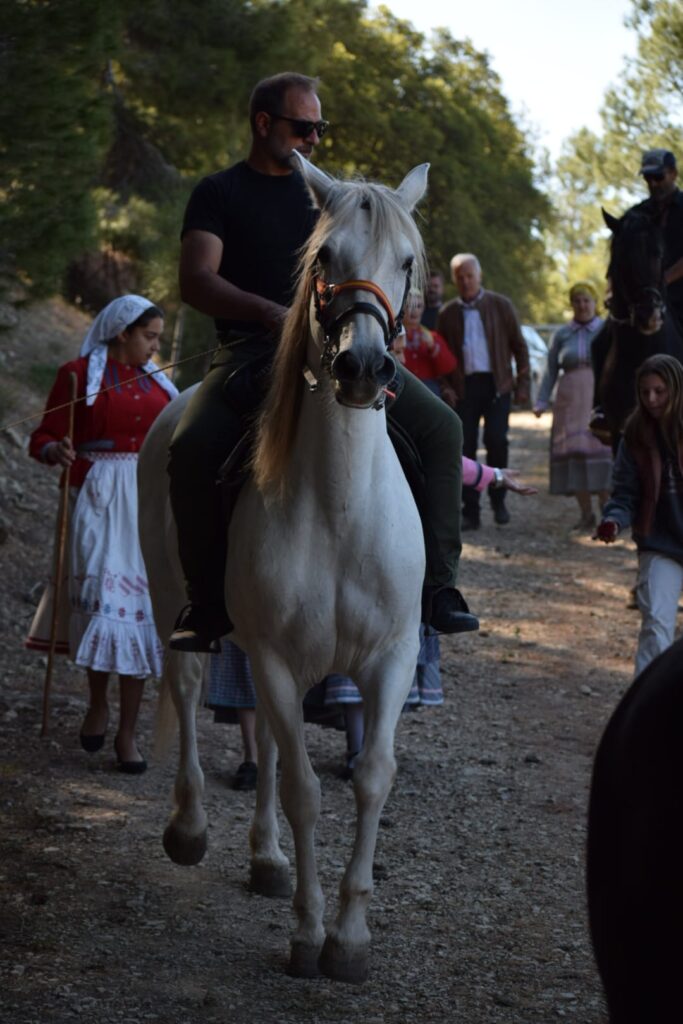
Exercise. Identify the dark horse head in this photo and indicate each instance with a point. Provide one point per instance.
(638, 325)
(636, 271)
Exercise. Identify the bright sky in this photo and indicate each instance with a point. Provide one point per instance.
(555, 59)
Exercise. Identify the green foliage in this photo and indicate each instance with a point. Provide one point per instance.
(130, 103)
(184, 76)
(55, 115)
(484, 198)
(577, 238)
(395, 101)
(646, 109)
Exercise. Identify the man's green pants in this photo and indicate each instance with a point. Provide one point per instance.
(224, 406)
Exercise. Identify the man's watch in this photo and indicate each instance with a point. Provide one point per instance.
(498, 478)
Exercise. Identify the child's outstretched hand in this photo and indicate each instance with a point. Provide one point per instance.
(607, 531)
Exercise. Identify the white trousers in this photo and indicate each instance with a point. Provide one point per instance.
(660, 580)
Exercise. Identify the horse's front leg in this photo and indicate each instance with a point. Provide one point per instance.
(346, 953)
(185, 835)
(300, 799)
(269, 867)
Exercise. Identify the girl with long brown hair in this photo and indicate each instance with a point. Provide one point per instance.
(647, 494)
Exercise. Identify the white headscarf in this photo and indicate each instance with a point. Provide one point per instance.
(109, 323)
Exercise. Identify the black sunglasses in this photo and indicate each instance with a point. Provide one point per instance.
(302, 129)
(653, 177)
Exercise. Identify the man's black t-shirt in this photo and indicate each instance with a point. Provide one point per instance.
(262, 220)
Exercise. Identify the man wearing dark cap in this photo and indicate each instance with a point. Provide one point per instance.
(665, 203)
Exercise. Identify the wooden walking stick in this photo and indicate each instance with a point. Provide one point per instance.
(62, 525)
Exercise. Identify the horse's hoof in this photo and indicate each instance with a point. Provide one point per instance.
(183, 849)
(303, 961)
(342, 964)
(270, 880)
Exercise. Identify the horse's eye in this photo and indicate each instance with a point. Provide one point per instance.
(323, 256)
(408, 264)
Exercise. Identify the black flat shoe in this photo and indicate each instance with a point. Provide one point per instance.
(199, 629)
(450, 613)
(346, 773)
(245, 776)
(92, 744)
(501, 515)
(128, 767)
(470, 523)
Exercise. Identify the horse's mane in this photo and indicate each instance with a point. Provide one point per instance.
(279, 417)
(636, 249)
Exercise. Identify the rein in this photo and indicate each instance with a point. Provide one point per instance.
(324, 295)
(103, 391)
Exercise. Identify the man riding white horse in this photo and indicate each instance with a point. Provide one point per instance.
(242, 233)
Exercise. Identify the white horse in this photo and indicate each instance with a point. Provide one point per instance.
(325, 562)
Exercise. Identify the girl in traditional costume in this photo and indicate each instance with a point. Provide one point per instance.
(105, 621)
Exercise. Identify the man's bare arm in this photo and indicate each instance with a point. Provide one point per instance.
(203, 288)
(674, 272)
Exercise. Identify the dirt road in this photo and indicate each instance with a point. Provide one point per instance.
(478, 915)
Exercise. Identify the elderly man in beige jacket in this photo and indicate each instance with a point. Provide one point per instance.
(483, 332)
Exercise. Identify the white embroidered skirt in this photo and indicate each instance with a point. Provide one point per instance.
(110, 623)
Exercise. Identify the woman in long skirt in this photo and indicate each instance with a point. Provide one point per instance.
(580, 465)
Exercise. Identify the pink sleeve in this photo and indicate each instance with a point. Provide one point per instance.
(474, 474)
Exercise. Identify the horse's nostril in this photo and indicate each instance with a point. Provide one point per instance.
(347, 366)
(386, 371)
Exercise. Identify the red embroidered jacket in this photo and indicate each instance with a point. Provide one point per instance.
(117, 421)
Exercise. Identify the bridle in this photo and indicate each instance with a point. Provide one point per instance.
(632, 308)
(325, 293)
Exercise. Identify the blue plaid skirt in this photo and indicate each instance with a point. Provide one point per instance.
(230, 681)
(426, 688)
(231, 686)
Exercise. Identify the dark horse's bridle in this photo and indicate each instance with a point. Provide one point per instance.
(633, 308)
(324, 294)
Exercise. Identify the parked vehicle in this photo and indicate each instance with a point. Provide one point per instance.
(538, 357)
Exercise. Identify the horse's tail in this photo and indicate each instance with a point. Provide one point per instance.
(166, 722)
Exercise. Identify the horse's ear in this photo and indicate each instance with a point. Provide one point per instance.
(319, 183)
(413, 187)
(613, 223)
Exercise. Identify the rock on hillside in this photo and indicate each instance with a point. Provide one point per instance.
(45, 335)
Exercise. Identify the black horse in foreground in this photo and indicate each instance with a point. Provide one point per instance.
(635, 848)
(639, 324)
